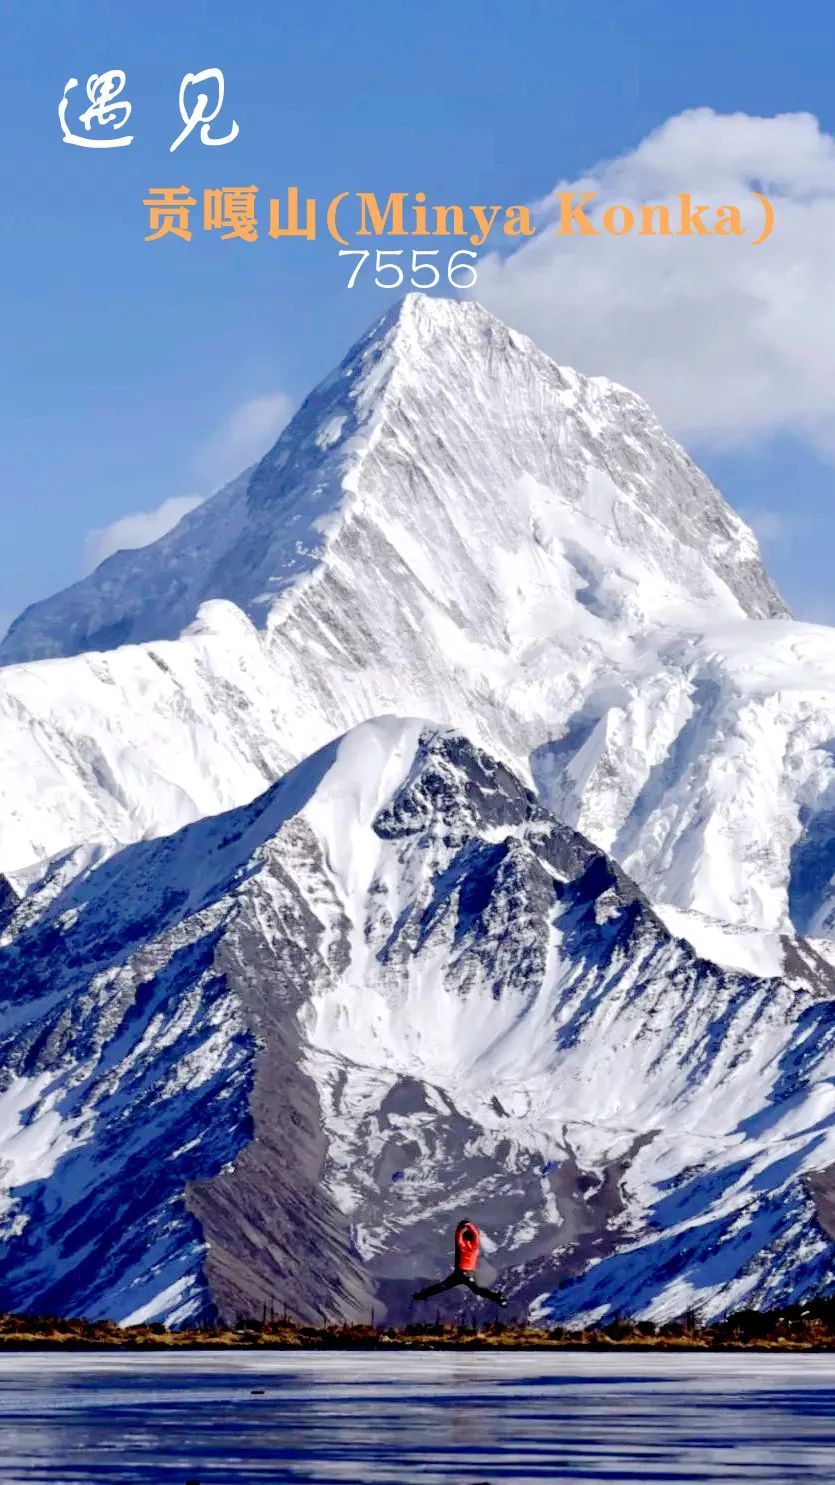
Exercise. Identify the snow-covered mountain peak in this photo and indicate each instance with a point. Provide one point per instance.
(392, 981)
(441, 429)
(451, 527)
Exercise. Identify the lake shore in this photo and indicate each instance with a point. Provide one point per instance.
(794, 1328)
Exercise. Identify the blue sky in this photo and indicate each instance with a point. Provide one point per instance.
(136, 373)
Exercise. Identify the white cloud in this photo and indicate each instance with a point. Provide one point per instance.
(727, 342)
(245, 436)
(137, 530)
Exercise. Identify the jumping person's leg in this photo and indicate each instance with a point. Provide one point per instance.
(491, 1294)
(449, 1282)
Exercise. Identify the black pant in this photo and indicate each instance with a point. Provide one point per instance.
(458, 1276)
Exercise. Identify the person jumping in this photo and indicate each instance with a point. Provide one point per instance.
(467, 1239)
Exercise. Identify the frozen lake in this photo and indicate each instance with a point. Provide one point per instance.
(441, 1419)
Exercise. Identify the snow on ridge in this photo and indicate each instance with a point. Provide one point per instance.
(488, 541)
(228, 816)
(218, 550)
(488, 1012)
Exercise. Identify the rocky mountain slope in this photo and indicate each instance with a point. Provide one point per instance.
(272, 1057)
(452, 527)
(288, 983)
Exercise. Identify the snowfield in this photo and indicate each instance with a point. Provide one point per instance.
(397, 957)
(561, 953)
(451, 527)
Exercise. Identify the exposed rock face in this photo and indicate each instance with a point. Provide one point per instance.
(273, 1058)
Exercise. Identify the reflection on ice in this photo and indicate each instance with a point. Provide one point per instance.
(435, 1418)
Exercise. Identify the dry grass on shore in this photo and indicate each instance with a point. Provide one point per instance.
(792, 1328)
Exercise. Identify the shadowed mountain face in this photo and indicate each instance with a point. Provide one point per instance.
(270, 1056)
(275, 1057)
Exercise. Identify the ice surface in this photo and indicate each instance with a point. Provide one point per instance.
(329, 1418)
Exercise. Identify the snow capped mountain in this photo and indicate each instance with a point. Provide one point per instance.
(446, 453)
(275, 1055)
(452, 527)
(561, 955)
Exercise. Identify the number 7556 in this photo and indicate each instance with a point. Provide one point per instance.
(424, 274)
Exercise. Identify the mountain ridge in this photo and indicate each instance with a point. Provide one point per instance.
(379, 364)
(390, 988)
(453, 527)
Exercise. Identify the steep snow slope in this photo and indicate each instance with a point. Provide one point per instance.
(452, 527)
(276, 1054)
(711, 778)
(111, 747)
(434, 454)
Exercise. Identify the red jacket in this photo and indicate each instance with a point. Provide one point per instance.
(466, 1247)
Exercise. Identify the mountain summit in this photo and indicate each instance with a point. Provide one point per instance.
(288, 981)
(441, 428)
(453, 527)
